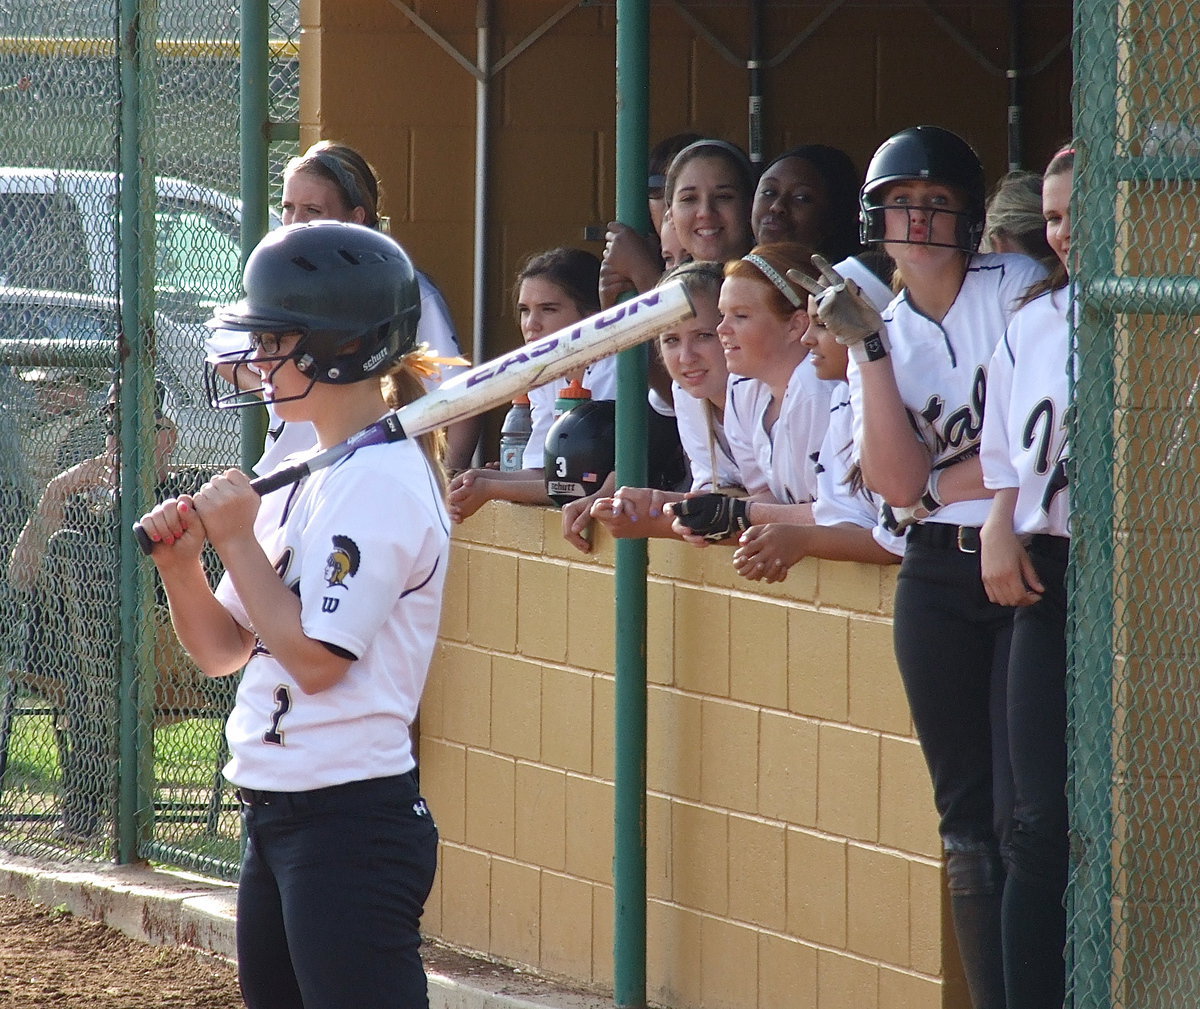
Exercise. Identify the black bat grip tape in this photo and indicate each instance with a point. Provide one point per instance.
(261, 485)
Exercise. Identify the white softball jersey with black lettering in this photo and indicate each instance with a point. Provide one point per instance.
(695, 419)
(1025, 427)
(600, 378)
(836, 503)
(782, 460)
(941, 368)
(364, 544)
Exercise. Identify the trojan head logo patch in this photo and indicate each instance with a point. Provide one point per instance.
(342, 562)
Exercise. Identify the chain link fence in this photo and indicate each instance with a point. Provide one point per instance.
(1135, 893)
(61, 769)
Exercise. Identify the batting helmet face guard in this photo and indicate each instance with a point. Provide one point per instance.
(350, 292)
(580, 450)
(925, 154)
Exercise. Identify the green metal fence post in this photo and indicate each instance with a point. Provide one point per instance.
(1090, 702)
(135, 55)
(629, 859)
(255, 135)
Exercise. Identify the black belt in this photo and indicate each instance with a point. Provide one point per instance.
(258, 797)
(941, 536)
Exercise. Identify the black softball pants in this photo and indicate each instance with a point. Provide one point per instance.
(330, 898)
(952, 647)
(1037, 850)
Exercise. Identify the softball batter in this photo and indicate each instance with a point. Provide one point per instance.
(332, 606)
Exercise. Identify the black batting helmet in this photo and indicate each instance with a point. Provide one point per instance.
(926, 154)
(349, 291)
(580, 450)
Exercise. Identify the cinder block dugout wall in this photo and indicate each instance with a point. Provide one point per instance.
(792, 846)
(371, 78)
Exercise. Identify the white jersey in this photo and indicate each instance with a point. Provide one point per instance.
(783, 460)
(600, 378)
(703, 438)
(1025, 427)
(836, 503)
(873, 289)
(941, 368)
(435, 329)
(370, 588)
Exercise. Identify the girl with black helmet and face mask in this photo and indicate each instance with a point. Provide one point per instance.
(332, 606)
(918, 380)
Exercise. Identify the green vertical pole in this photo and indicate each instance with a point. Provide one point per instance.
(135, 256)
(1090, 705)
(255, 135)
(629, 852)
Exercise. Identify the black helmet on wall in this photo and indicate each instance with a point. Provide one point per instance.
(925, 154)
(580, 450)
(349, 291)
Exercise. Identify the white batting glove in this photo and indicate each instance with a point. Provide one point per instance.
(842, 309)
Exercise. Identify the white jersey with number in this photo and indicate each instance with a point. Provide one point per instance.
(436, 330)
(369, 588)
(836, 503)
(1025, 428)
(782, 460)
(600, 378)
(941, 368)
(703, 438)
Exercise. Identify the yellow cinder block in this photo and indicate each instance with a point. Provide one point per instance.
(541, 823)
(516, 707)
(566, 920)
(589, 829)
(455, 625)
(515, 907)
(877, 698)
(672, 941)
(567, 719)
(846, 755)
(878, 907)
(541, 608)
(729, 756)
(758, 652)
(603, 926)
(787, 972)
(443, 772)
(490, 600)
(518, 527)
(930, 925)
(849, 586)
(816, 888)
(728, 962)
(674, 559)
(466, 887)
(757, 868)
(702, 640)
(591, 626)
(675, 734)
(699, 862)
(900, 989)
(907, 818)
(603, 726)
(660, 632)
(787, 768)
(491, 800)
(658, 847)
(818, 664)
(464, 678)
(846, 982)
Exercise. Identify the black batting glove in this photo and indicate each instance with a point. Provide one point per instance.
(716, 517)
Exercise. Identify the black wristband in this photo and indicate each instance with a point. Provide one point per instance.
(874, 347)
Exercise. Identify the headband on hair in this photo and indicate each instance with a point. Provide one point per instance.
(775, 278)
(342, 177)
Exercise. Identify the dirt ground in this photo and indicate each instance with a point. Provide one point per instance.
(52, 959)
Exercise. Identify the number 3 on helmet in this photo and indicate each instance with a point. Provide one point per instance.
(349, 291)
